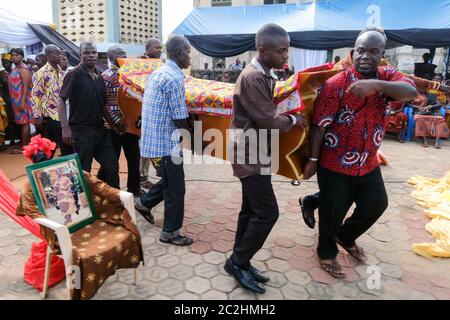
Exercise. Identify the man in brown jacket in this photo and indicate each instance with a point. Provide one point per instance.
(254, 126)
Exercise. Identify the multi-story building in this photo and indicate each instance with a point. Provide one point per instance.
(403, 57)
(237, 3)
(107, 22)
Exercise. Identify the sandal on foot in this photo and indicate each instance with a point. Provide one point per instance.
(146, 184)
(356, 251)
(332, 267)
(179, 240)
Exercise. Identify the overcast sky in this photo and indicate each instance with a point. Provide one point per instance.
(174, 11)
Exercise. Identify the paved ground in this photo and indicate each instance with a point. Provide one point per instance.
(212, 204)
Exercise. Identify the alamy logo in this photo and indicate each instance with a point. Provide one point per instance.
(374, 19)
(374, 280)
(73, 274)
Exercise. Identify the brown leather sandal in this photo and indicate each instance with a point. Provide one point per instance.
(146, 184)
(356, 251)
(332, 267)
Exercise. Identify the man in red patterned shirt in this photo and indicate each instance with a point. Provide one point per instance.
(348, 128)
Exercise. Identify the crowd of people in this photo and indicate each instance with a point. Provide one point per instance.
(283, 73)
(18, 79)
(30, 95)
(79, 110)
(428, 115)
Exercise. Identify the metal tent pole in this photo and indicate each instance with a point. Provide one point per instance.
(447, 62)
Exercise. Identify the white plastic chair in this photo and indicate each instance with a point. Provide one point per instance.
(65, 244)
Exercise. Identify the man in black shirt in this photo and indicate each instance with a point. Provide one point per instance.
(85, 130)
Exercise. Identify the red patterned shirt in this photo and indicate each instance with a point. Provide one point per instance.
(355, 126)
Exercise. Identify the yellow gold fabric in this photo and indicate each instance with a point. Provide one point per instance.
(434, 194)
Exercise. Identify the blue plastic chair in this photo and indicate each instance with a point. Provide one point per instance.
(408, 110)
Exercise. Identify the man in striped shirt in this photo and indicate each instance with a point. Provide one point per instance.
(120, 137)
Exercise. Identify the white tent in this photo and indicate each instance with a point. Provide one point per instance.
(14, 30)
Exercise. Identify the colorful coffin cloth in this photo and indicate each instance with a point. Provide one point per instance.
(134, 72)
(209, 97)
(205, 96)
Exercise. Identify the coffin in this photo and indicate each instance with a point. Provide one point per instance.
(211, 103)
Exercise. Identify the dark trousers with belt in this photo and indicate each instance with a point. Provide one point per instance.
(170, 189)
(259, 213)
(337, 194)
(96, 143)
(52, 131)
(130, 144)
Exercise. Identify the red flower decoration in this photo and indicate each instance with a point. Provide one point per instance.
(39, 144)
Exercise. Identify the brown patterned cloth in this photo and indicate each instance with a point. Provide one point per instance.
(431, 126)
(112, 242)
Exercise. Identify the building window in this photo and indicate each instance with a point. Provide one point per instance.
(220, 3)
(274, 1)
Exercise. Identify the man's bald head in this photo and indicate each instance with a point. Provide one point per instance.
(114, 53)
(269, 35)
(53, 55)
(151, 42)
(87, 45)
(50, 49)
(369, 48)
(153, 48)
(374, 34)
(112, 50)
(88, 54)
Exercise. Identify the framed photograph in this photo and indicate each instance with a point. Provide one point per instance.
(61, 192)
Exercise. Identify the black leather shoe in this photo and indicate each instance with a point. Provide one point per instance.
(258, 275)
(307, 214)
(243, 277)
(145, 212)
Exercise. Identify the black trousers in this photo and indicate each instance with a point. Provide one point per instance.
(130, 144)
(337, 194)
(52, 130)
(96, 143)
(171, 188)
(258, 215)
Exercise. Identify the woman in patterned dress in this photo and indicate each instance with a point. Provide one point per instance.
(20, 84)
(3, 123)
(66, 202)
(429, 120)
